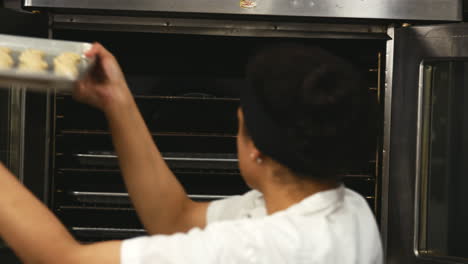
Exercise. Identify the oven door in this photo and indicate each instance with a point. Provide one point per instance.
(428, 173)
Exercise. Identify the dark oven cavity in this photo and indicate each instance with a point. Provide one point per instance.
(187, 88)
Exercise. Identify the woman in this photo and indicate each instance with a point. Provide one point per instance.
(297, 130)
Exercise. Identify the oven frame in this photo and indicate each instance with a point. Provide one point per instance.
(429, 10)
(264, 28)
(216, 27)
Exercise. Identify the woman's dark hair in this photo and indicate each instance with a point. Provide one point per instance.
(319, 99)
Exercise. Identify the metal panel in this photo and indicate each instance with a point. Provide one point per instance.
(412, 45)
(441, 10)
(12, 4)
(386, 137)
(17, 127)
(220, 27)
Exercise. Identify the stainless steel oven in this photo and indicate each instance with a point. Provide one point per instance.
(187, 88)
(12, 110)
(433, 10)
(427, 181)
(12, 124)
(184, 66)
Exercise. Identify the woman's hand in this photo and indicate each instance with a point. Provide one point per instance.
(104, 87)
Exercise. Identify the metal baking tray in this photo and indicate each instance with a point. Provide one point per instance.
(47, 80)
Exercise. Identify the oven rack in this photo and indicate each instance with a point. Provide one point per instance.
(107, 198)
(351, 175)
(162, 114)
(84, 141)
(176, 171)
(101, 233)
(155, 134)
(189, 102)
(195, 97)
(121, 201)
(174, 160)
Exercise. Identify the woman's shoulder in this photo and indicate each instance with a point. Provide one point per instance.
(248, 205)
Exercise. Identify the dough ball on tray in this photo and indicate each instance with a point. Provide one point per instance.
(66, 64)
(32, 61)
(6, 61)
(5, 50)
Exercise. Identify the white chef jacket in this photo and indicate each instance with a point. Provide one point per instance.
(334, 226)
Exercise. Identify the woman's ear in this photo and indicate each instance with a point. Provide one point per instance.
(256, 155)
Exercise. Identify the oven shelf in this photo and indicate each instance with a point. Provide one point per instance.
(155, 134)
(359, 176)
(176, 171)
(123, 199)
(100, 233)
(187, 98)
(161, 114)
(84, 141)
(174, 160)
(189, 101)
(96, 208)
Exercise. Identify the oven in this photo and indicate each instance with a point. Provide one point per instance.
(11, 129)
(185, 64)
(11, 140)
(427, 177)
(187, 89)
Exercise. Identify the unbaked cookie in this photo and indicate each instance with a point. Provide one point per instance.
(6, 61)
(32, 60)
(66, 64)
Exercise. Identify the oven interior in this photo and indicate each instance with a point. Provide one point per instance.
(187, 89)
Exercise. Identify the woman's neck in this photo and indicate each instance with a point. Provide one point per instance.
(282, 194)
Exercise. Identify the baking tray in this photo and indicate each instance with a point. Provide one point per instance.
(48, 80)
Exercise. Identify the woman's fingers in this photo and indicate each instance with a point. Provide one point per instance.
(107, 66)
(97, 50)
(104, 82)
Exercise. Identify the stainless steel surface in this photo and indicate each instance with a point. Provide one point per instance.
(104, 194)
(378, 154)
(47, 141)
(108, 229)
(125, 195)
(13, 4)
(221, 27)
(207, 197)
(109, 156)
(442, 10)
(13, 127)
(122, 200)
(440, 188)
(17, 131)
(417, 195)
(47, 80)
(108, 233)
(411, 46)
(386, 137)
